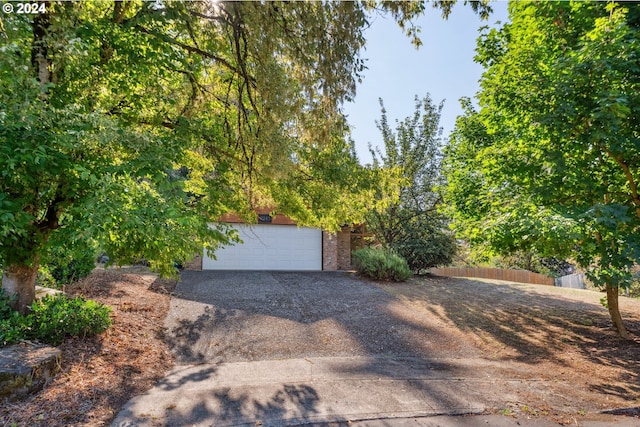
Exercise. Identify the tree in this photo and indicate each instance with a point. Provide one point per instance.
(410, 222)
(139, 123)
(550, 162)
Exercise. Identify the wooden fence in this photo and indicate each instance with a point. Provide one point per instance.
(520, 276)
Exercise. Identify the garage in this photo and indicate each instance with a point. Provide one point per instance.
(270, 247)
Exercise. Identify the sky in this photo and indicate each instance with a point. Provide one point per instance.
(443, 67)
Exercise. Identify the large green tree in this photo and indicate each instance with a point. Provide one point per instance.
(550, 161)
(138, 123)
(410, 221)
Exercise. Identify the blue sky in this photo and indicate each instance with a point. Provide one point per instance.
(443, 67)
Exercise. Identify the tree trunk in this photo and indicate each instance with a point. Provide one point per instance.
(20, 281)
(614, 311)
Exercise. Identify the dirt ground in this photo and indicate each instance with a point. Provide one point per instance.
(561, 336)
(100, 374)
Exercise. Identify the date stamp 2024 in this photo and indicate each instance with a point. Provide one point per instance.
(32, 8)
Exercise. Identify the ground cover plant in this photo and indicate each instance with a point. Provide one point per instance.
(52, 319)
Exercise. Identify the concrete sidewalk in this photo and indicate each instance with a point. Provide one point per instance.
(343, 391)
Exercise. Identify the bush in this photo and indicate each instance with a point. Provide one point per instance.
(381, 264)
(67, 262)
(425, 247)
(55, 317)
(52, 319)
(12, 325)
(5, 305)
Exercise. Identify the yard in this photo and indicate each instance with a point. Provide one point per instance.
(561, 337)
(556, 334)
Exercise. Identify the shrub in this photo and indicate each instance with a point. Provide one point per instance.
(425, 247)
(12, 325)
(55, 317)
(52, 319)
(5, 305)
(66, 262)
(381, 264)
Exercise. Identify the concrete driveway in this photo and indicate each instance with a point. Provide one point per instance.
(287, 348)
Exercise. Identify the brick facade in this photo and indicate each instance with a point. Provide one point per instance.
(194, 264)
(329, 251)
(277, 219)
(344, 249)
(336, 250)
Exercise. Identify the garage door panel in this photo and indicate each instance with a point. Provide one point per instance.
(270, 247)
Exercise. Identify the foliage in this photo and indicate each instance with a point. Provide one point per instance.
(5, 305)
(138, 124)
(425, 244)
(410, 222)
(13, 329)
(12, 324)
(55, 317)
(550, 161)
(381, 264)
(52, 319)
(634, 289)
(66, 262)
(549, 266)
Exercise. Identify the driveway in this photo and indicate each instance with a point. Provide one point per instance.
(287, 348)
(223, 317)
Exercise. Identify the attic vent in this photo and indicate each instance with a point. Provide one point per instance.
(264, 218)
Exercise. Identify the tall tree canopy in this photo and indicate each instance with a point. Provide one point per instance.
(138, 123)
(551, 160)
(410, 221)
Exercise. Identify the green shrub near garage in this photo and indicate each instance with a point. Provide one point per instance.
(381, 264)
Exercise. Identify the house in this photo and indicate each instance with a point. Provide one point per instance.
(278, 243)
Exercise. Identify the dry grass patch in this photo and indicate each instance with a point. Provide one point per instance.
(563, 336)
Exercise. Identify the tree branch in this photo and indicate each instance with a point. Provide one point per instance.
(629, 176)
(188, 48)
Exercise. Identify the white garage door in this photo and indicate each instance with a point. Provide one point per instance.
(270, 247)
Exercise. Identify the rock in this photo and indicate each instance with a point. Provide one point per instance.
(41, 292)
(26, 368)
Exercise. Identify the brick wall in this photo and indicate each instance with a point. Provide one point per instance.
(336, 250)
(329, 251)
(344, 249)
(277, 219)
(194, 264)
